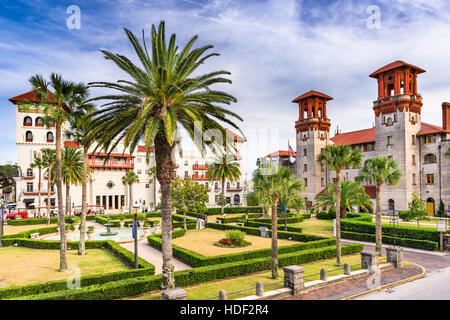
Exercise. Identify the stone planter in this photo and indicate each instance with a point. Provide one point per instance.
(76, 226)
(141, 224)
(122, 223)
(146, 230)
(90, 235)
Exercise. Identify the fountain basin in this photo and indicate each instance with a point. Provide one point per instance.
(117, 234)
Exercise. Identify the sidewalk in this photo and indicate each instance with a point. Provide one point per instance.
(348, 288)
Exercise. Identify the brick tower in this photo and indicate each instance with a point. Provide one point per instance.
(313, 133)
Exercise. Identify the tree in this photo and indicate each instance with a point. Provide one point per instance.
(57, 108)
(447, 153)
(223, 168)
(160, 95)
(352, 195)
(79, 132)
(72, 170)
(441, 211)
(275, 185)
(188, 195)
(417, 209)
(7, 183)
(39, 163)
(152, 174)
(380, 170)
(49, 159)
(129, 179)
(339, 158)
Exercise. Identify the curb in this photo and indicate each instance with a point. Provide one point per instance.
(389, 285)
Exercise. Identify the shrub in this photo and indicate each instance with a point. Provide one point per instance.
(235, 236)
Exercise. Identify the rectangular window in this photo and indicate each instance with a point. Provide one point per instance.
(389, 141)
(322, 182)
(305, 167)
(430, 178)
(97, 200)
(304, 152)
(29, 186)
(139, 160)
(413, 160)
(414, 179)
(322, 167)
(413, 139)
(186, 175)
(147, 186)
(139, 171)
(305, 182)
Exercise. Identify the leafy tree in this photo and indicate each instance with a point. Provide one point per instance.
(296, 202)
(417, 209)
(441, 211)
(39, 163)
(381, 170)
(188, 195)
(352, 195)
(49, 159)
(57, 108)
(223, 168)
(339, 158)
(6, 177)
(129, 179)
(72, 170)
(275, 185)
(160, 95)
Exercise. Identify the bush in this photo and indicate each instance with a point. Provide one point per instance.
(235, 236)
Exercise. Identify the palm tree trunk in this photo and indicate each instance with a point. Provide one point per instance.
(378, 239)
(39, 194)
(164, 172)
(67, 199)
(338, 218)
(185, 219)
(81, 243)
(130, 205)
(49, 187)
(274, 261)
(154, 192)
(61, 222)
(223, 196)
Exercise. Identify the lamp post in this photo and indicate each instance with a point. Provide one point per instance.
(2, 211)
(135, 235)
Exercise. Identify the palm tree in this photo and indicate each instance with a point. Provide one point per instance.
(380, 170)
(338, 158)
(223, 168)
(352, 195)
(162, 94)
(57, 108)
(275, 185)
(72, 170)
(39, 163)
(129, 179)
(79, 133)
(49, 159)
(152, 174)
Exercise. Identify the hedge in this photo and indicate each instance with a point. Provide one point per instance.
(24, 222)
(131, 287)
(239, 218)
(350, 215)
(411, 243)
(214, 211)
(269, 226)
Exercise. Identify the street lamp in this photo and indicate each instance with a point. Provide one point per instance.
(2, 211)
(135, 235)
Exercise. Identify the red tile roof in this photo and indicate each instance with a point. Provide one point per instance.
(355, 137)
(144, 149)
(371, 191)
(281, 153)
(312, 93)
(427, 128)
(234, 136)
(393, 65)
(31, 96)
(70, 144)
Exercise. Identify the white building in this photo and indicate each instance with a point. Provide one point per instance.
(105, 187)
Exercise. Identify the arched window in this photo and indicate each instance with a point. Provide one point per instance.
(27, 122)
(49, 136)
(216, 186)
(206, 185)
(29, 172)
(39, 122)
(28, 136)
(430, 158)
(237, 199)
(391, 205)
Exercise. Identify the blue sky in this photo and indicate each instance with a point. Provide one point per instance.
(275, 50)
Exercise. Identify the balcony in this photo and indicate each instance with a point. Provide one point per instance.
(234, 189)
(36, 192)
(37, 124)
(200, 167)
(27, 124)
(49, 140)
(111, 165)
(28, 177)
(28, 139)
(199, 177)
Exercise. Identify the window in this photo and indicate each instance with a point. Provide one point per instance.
(27, 122)
(430, 178)
(305, 167)
(228, 185)
(216, 186)
(413, 139)
(305, 152)
(49, 137)
(29, 186)
(39, 122)
(413, 160)
(383, 120)
(389, 121)
(185, 163)
(390, 157)
(389, 141)
(322, 182)
(139, 171)
(414, 179)
(186, 175)
(196, 174)
(28, 136)
(430, 158)
(305, 181)
(429, 139)
(334, 180)
(29, 172)
(139, 160)
(206, 185)
(322, 167)
(147, 186)
(395, 117)
(238, 185)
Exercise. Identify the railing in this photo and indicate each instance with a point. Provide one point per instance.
(200, 177)
(200, 167)
(36, 192)
(231, 189)
(111, 165)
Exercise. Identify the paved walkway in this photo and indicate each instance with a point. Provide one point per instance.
(351, 287)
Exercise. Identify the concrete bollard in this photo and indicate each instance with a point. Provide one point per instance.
(259, 289)
(369, 261)
(347, 270)
(323, 274)
(294, 278)
(222, 295)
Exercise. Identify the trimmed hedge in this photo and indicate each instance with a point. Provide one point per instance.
(130, 287)
(411, 243)
(24, 222)
(350, 215)
(269, 226)
(239, 217)
(214, 211)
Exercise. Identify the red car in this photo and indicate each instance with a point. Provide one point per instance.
(17, 215)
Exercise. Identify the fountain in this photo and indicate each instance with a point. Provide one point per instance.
(108, 230)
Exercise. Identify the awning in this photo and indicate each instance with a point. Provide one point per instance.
(28, 201)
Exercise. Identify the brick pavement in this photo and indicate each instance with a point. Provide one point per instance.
(350, 287)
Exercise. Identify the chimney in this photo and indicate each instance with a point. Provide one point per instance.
(446, 116)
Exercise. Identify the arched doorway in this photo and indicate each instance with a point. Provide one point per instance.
(430, 206)
(391, 205)
(237, 199)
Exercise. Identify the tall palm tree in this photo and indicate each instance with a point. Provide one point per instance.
(129, 179)
(57, 107)
(338, 158)
(80, 134)
(223, 168)
(72, 170)
(352, 195)
(49, 159)
(380, 170)
(162, 94)
(39, 163)
(275, 185)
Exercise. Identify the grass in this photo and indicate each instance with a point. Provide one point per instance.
(315, 226)
(16, 229)
(202, 241)
(22, 266)
(211, 289)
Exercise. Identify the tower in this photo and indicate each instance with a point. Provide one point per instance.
(313, 129)
(397, 121)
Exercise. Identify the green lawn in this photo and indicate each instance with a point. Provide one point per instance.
(211, 289)
(315, 226)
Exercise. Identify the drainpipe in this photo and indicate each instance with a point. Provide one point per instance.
(420, 166)
(440, 184)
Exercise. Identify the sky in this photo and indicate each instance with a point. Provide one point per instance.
(274, 49)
